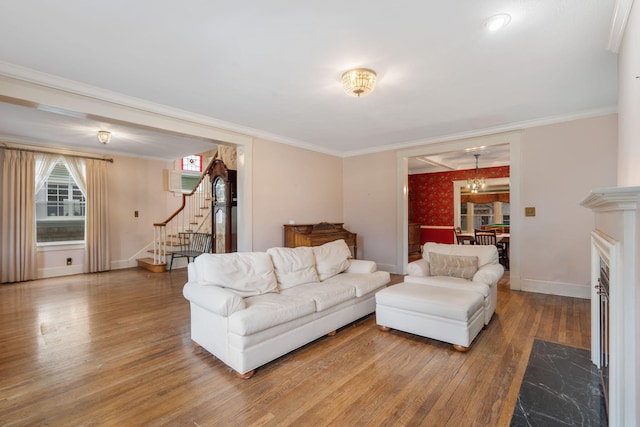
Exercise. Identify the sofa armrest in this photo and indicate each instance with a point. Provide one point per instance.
(419, 267)
(213, 298)
(489, 274)
(361, 266)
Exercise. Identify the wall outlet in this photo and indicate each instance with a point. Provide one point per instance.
(531, 211)
(68, 261)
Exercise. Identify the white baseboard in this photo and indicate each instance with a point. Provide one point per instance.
(125, 263)
(556, 288)
(67, 270)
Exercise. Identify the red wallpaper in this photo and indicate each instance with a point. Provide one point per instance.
(431, 194)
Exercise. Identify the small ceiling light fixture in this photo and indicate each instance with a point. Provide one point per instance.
(476, 184)
(359, 82)
(497, 22)
(104, 136)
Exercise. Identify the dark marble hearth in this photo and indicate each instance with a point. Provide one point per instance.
(561, 387)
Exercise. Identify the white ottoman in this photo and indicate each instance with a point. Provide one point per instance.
(452, 315)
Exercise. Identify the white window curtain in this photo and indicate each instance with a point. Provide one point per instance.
(18, 249)
(44, 165)
(91, 177)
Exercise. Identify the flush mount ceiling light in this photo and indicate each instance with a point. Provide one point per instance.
(104, 136)
(497, 22)
(359, 81)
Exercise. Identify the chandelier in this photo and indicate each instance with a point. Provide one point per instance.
(476, 183)
(359, 81)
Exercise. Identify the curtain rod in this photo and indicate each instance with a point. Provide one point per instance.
(53, 152)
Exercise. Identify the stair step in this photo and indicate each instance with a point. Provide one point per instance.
(147, 264)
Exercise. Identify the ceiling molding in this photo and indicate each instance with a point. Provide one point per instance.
(619, 18)
(77, 88)
(490, 131)
(53, 82)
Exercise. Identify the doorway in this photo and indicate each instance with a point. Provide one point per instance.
(513, 139)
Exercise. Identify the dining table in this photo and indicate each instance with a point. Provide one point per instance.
(500, 237)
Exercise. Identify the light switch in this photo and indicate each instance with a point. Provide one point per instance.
(135, 214)
(530, 211)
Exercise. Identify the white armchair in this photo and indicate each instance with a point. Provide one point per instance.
(453, 267)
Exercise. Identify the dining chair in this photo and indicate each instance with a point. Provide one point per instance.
(486, 237)
(489, 237)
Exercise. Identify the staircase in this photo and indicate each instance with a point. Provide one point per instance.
(194, 215)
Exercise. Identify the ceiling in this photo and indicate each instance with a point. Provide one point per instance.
(273, 68)
(488, 157)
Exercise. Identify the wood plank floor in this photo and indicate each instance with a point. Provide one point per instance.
(114, 349)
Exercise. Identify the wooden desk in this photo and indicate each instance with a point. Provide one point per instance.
(318, 234)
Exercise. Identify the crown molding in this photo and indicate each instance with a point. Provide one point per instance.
(243, 133)
(510, 127)
(77, 88)
(621, 11)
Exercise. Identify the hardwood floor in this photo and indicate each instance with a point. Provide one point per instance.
(114, 349)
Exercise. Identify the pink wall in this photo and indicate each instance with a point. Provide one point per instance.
(370, 198)
(561, 164)
(292, 183)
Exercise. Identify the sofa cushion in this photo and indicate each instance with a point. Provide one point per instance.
(332, 258)
(245, 273)
(293, 266)
(486, 254)
(363, 283)
(325, 295)
(453, 265)
(265, 311)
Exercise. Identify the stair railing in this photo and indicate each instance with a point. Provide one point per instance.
(188, 218)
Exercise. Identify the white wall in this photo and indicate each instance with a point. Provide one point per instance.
(291, 183)
(629, 175)
(629, 102)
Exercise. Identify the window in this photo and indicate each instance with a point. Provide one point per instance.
(60, 208)
(189, 182)
(192, 163)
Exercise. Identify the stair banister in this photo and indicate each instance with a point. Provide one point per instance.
(179, 221)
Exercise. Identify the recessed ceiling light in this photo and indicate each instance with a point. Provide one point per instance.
(497, 22)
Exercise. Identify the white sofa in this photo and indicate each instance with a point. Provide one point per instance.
(248, 309)
(484, 278)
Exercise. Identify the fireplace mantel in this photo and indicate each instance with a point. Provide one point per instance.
(615, 239)
(613, 199)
